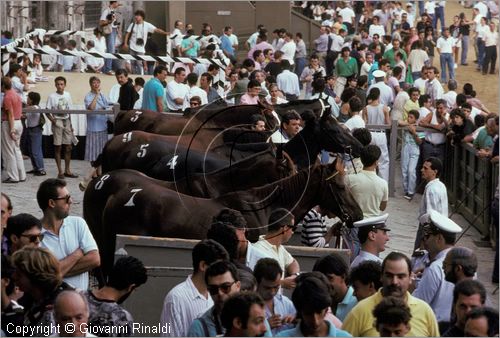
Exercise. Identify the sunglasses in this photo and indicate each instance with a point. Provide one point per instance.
(67, 198)
(34, 238)
(224, 287)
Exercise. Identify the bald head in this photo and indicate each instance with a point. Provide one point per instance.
(460, 263)
(71, 312)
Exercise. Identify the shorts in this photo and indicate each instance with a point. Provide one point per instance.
(61, 130)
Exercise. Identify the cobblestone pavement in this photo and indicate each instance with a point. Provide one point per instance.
(402, 219)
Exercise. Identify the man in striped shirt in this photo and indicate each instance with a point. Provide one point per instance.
(314, 230)
(190, 299)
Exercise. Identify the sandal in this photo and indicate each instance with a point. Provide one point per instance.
(70, 175)
(60, 176)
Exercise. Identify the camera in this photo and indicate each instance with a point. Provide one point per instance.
(110, 16)
(139, 42)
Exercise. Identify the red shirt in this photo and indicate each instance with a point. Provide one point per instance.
(13, 103)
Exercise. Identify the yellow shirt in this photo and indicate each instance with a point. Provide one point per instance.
(409, 105)
(369, 191)
(278, 253)
(359, 322)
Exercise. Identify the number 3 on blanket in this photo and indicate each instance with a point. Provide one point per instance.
(136, 116)
(130, 202)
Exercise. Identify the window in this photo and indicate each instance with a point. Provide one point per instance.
(93, 10)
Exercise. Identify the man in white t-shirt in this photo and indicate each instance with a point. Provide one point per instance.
(136, 37)
(355, 121)
(194, 90)
(178, 34)
(482, 8)
(348, 16)
(177, 91)
(289, 48)
(61, 126)
(445, 47)
(109, 25)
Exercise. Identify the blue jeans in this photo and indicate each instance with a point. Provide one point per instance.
(438, 15)
(421, 7)
(110, 48)
(480, 53)
(465, 49)
(446, 59)
(416, 76)
(409, 159)
(137, 66)
(35, 147)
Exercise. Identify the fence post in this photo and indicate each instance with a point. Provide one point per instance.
(392, 157)
(116, 110)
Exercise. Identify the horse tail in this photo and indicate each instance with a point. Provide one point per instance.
(93, 208)
(98, 161)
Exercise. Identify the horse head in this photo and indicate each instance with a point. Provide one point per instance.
(271, 118)
(304, 147)
(337, 199)
(335, 138)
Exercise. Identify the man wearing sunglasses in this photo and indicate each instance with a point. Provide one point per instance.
(67, 237)
(438, 239)
(222, 281)
(23, 230)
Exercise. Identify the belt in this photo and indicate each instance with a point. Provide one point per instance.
(376, 131)
(434, 145)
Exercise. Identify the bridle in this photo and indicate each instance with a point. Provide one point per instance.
(344, 215)
(347, 149)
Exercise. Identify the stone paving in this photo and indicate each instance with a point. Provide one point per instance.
(402, 219)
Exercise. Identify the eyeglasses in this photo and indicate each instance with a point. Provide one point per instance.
(67, 198)
(225, 288)
(34, 238)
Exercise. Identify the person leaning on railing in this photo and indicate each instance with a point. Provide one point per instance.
(492, 130)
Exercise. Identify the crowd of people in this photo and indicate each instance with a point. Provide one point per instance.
(236, 288)
(373, 63)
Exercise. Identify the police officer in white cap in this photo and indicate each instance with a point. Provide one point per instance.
(372, 234)
(386, 92)
(438, 238)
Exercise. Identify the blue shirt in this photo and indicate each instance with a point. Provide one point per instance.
(193, 51)
(96, 122)
(152, 90)
(197, 328)
(332, 332)
(73, 234)
(435, 290)
(226, 44)
(345, 306)
(283, 306)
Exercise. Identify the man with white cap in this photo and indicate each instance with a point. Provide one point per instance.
(372, 234)
(438, 238)
(386, 92)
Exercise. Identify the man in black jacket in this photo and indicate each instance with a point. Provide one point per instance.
(128, 94)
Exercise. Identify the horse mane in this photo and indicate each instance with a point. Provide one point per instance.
(244, 135)
(286, 190)
(296, 103)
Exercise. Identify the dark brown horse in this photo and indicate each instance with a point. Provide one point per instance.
(144, 207)
(208, 118)
(156, 157)
(324, 133)
(317, 106)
